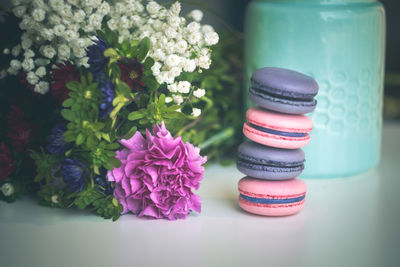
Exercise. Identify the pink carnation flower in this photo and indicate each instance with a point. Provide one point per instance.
(157, 175)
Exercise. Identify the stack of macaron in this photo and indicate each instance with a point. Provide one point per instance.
(277, 129)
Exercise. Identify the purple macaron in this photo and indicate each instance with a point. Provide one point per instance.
(283, 90)
(269, 163)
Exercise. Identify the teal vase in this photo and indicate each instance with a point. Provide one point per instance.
(341, 43)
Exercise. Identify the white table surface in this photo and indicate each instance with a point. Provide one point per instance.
(346, 222)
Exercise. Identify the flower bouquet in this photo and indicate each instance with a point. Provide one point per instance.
(110, 100)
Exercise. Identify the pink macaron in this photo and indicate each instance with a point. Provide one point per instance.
(277, 129)
(272, 198)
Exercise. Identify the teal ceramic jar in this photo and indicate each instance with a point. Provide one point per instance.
(341, 43)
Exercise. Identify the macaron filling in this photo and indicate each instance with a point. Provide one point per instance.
(268, 165)
(290, 95)
(276, 132)
(272, 200)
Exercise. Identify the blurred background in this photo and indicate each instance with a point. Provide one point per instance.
(227, 16)
(233, 12)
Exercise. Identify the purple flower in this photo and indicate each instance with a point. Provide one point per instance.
(57, 144)
(157, 175)
(107, 95)
(97, 60)
(74, 174)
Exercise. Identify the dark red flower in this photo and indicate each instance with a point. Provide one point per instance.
(61, 75)
(19, 130)
(7, 165)
(131, 74)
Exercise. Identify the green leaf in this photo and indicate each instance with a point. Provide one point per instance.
(68, 114)
(143, 49)
(68, 102)
(111, 52)
(106, 137)
(79, 139)
(148, 63)
(161, 100)
(87, 197)
(136, 115)
(151, 83)
(91, 141)
(73, 85)
(124, 89)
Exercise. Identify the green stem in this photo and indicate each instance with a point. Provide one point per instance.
(219, 137)
(204, 6)
(188, 126)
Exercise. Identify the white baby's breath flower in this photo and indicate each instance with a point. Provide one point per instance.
(173, 61)
(55, 199)
(112, 24)
(31, 78)
(124, 22)
(16, 50)
(174, 21)
(12, 71)
(104, 8)
(6, 51)
(15, 64)
(26, 42)
(211, 38)
(29, 53)
(19, 11)
(153, 7)
(70, 35)
(170, 32)
(156, 68)
(38, 14)
(79, 16)
(181, 46)
(196, 112)
(175, 71)
(47, 34)
(173, 88)
(175, 8)
(95, 20)
(42, 87)
(196, 15)
(207, 28)
(199, 93)
(63, 51)
(168, 99)
(204, 62)
(189, 65)
(194, 37)
(59, 30)
(193, 27)
(48, 51)
(84, 62)
(177, 99)
(7, 189)
(28, 64)
(183, 87)
(73, 2)
(56, 4)
(41, 71)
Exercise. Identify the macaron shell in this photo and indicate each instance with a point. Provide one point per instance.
(270, 163)
(269, 174)
(274, 140)
(291, 187)
(265, 153)
(288, 82)
(282, 210)
(272, 189)
(279, 121)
